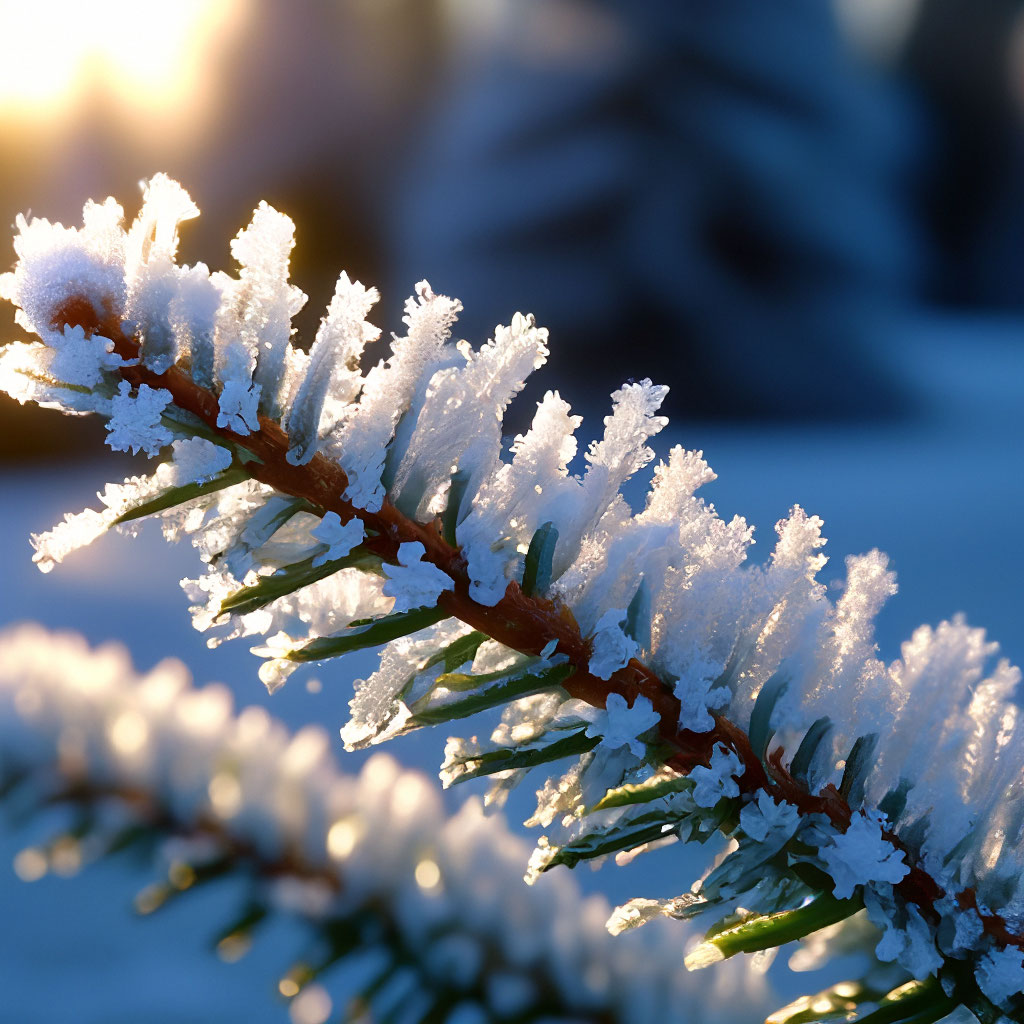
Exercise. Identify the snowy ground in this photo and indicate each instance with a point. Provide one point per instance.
(943, 495)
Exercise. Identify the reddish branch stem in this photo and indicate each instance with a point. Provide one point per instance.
(524, 623)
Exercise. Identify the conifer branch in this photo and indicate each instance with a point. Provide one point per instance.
(377, 509)
(526, 624)
(370, 862)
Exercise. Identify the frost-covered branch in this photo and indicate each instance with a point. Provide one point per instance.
(433, 906)
(689, 692)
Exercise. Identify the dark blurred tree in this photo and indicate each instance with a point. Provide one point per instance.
(964, 60)
(710, 194)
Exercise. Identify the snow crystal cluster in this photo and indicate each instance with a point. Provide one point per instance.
(74, 716)
(927, 752)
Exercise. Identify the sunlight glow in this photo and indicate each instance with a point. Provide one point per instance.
(428, 875)
(143, 53)
(66, 856)
(288, 987)
(128, 733)
(311, 1006)
(233, 947)
(225, 793)
(342, 838)
(30, 864)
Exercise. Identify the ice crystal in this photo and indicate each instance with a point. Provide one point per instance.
(621, 725)
(80, 359)
(862, 854)
(912, 945)
(239, 405)
(612, 649)
(767, 821)
(135, 423)
(333, 366)
(340, 538)
(193, 460)
(458, 425)
(414, 582)
(718, 780)
(390, 390)
(197, 460)
(1001, 974)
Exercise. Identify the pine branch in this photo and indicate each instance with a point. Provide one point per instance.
(377, 509)
(369, 862)
(526, 624)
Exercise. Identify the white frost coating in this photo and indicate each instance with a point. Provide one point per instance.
(861, 855)
(390, 389)
(907, 938)
(192, 461)
(78, 359)
(458, 426)
(633, 914)
(766, 821)
(266, 301)
(623, 449)
(197, 460)
(339, 538)
(377, 702)
(239, 407)
(25, 376)
(699, 696)
(277, 668)
(1000, 974)
(154, 234)
(76, 531)
(912, 946)
(150, 272)
(193, 316)
(718, 780)
(148, 313)
(673, 486)
(135, 420)
(414, 583)
(333, 365)
(612, 649)
(520, 496)
(55, 263)
(621, 725)
(969, 929)
(235, 360)
(620, 453)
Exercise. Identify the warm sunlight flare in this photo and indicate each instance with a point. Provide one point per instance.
(142, 54)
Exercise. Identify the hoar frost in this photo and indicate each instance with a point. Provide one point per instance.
(766, 821)
(414, 583)
(135, 423)
(718, 779)
(621, 725)
(862, 854)
(419, 436)
(340, 538)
